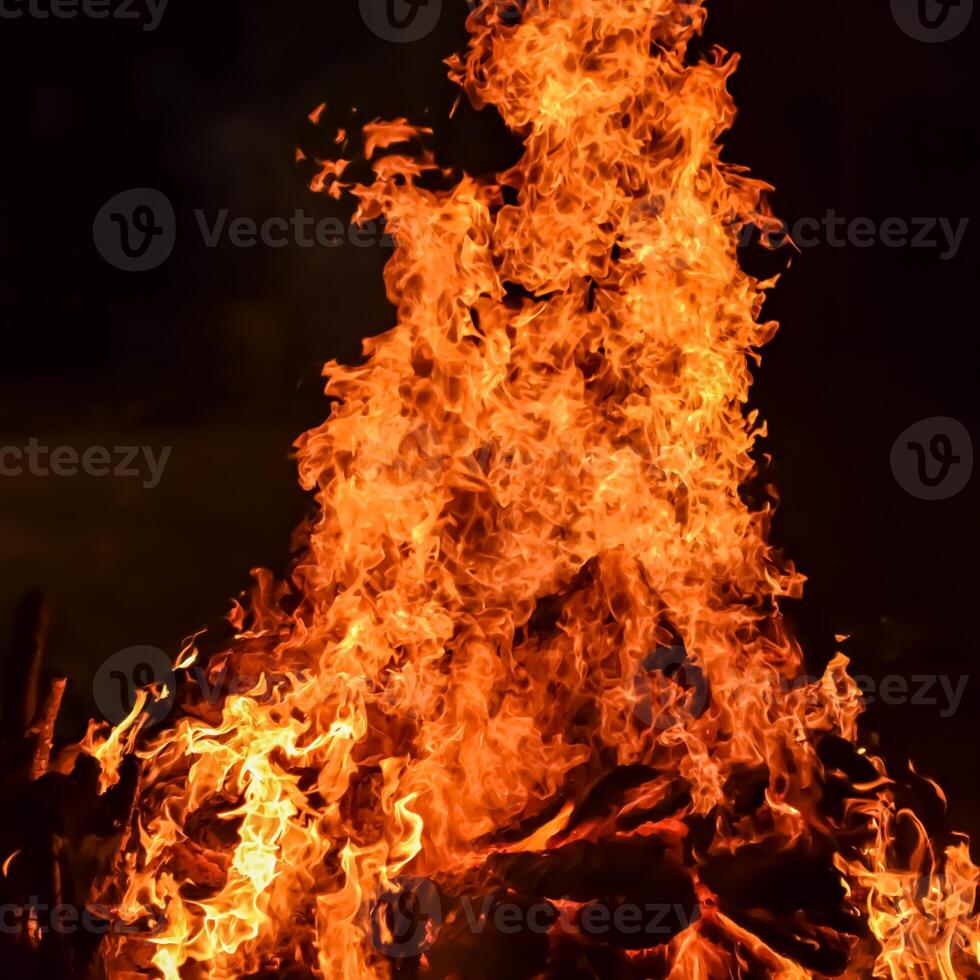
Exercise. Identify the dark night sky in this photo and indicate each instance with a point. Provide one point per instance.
(217, 352)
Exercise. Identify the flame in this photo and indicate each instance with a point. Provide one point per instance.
(530, 486)
(8, 861)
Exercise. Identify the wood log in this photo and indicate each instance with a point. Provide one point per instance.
(43, 727)
(24, 663)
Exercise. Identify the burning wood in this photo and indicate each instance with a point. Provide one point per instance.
(532, 656)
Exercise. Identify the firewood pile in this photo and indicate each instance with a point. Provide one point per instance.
(606, 904)
(57, 834)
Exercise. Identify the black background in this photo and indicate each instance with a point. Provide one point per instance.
(217, 352)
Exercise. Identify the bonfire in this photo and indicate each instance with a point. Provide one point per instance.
(526, 705)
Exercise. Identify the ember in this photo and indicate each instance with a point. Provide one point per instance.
(526, 705)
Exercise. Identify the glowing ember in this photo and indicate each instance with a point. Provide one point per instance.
(534, 632)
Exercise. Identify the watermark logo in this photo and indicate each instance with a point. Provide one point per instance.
(37, 918)
(400, 20)
(300, 229)
(933, 459)
(146, 668)
(126, 462)
(406, 917)
(136, 230)
(148, 12)
(943, 235)
(126, 673)
(932, 21)
(669, 689)
(942, 691)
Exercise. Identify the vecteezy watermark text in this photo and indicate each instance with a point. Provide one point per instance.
(669, 688)
(40, 919)
(404, 920)
(833, 230)
(145, 668)
(299, 229)
(148, 12)
(943, 691)
(136, 230)
(923, 690)
(126, 462)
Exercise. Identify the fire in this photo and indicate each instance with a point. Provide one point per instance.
(534, 616)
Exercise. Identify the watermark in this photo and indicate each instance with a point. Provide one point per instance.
(403, 21)
(125, 462)
(119, 680)
(933, 459)
(942, 691)
(400, 21)
(38, 919)
(148, 13)
(404, 919)
(932, 21)
(136, 231)
(300, 230)
(423, 453)
(833, 230)
(668, 689)
(127, 672)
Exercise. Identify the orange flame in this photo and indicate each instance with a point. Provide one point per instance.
(531, 484)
